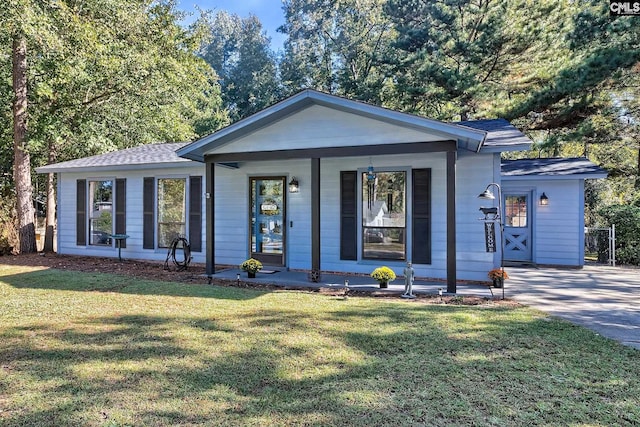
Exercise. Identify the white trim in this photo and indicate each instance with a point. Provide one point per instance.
(115, 168)
(552, 177)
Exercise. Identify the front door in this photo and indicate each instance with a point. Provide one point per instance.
(267, 219)
(517, 227)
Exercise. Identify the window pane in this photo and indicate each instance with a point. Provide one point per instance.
(101, 212)
(384, 243)
(384, 215)
(515, 211)
(169, 231)
(171, 210)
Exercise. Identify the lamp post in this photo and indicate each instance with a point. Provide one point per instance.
(488, 195)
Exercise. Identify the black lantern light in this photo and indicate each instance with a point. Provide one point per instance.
(544, 200)
(294, 186)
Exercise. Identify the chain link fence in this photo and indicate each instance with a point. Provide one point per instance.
(600, 245)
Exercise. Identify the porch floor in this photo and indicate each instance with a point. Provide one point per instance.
(360, 283)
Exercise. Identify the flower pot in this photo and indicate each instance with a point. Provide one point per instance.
(251, 274)
(384, 284)
(498, 283)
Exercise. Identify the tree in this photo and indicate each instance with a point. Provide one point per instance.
(16, 25)
(113, 75)
(587, 103)
(336, 47)
(22, 161)
(455, 56)
(240, 54)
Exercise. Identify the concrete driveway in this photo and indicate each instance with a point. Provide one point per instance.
(604, 299)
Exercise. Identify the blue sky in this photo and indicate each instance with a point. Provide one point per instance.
(268, 11)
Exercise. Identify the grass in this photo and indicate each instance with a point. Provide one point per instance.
(102, 350)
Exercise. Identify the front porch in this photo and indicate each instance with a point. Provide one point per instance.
(357, 282)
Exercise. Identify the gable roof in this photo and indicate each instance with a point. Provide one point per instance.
(501, 135)
(555, 168)
(466, 137)
(141, 157)
(477, 136)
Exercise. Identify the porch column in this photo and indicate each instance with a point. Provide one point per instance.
(451, 222)
(315, 218)
(210, 218)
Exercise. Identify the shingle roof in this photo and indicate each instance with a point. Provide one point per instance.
(579, 167)
(149, 154)
(501, 135)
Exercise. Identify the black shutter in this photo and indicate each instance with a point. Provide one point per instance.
(195, 213)
(81, 212)
(121, 209)
(147, 215)
(348, 215)
(421, 217)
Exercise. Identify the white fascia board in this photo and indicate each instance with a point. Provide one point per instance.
(552, 177)
(106, 168)
(500, 149)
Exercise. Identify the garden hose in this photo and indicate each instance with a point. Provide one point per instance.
(171, 254)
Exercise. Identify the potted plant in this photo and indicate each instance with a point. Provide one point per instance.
(498, 275)
(251, 266)
(383, 275)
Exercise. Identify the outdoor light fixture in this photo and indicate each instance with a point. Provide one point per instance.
(294, 186)
(488, 195)
(371, 184)
(544, 200)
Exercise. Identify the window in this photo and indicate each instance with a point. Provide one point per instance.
(171, 210)
(515, 211)
(100, 212)
(384, 215)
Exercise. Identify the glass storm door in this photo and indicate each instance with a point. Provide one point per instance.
(517, 227)
(267, 219)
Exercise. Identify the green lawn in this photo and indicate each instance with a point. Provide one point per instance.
(100, 350)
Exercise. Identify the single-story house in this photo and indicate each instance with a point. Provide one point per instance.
(325, 184)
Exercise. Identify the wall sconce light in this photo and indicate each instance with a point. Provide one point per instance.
(544, 200)
(294, 186)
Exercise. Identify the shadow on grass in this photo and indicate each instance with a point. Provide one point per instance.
(387, 365)
(102, 282)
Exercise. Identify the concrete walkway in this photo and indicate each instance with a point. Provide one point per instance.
(604, 299)
(364, 283)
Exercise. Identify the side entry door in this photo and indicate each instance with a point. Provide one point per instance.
(517, 227)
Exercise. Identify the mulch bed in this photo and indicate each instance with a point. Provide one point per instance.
(154, 270)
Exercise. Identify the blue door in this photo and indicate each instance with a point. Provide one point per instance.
(517, 227)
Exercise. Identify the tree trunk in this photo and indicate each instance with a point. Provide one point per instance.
(51, 214)
(22, 160)
(51, 202)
